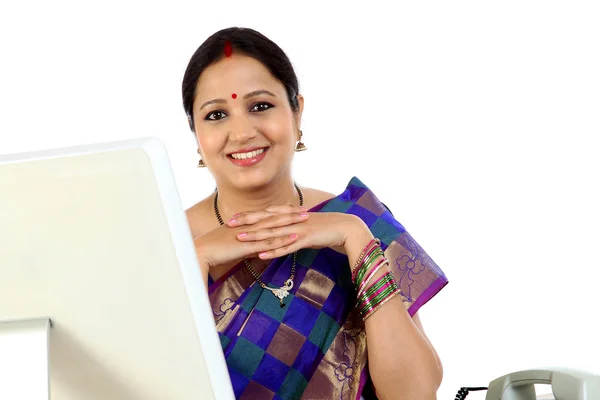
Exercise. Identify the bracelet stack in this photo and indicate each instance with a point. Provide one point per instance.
(372, 296)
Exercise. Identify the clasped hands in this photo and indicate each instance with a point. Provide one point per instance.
(273, 232)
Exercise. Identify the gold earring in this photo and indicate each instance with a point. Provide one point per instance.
(300, 146)
(201, 162)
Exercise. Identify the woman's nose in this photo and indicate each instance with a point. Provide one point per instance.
(241, 131)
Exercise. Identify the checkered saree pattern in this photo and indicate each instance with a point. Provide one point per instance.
(313, 348)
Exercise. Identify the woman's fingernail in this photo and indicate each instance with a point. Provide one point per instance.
(293, 236)
(263, 254)
(304, 215)
(243, 234)
(235, 215)
(231, 221)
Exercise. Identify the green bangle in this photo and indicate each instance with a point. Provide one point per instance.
(366, 265)
(380, 297)
(381, 282)
(377, 307)
(384, 280)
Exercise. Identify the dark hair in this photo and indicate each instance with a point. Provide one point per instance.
(247, 42)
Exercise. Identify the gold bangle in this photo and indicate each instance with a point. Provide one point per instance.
(368, 261)
(359, 259)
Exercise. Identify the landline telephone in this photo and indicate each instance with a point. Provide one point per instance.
(567, 384)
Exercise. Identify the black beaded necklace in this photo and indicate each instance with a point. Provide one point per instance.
(283, 291)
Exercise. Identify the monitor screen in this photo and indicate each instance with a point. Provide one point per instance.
(95, 239)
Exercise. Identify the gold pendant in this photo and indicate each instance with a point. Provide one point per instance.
(283, 291)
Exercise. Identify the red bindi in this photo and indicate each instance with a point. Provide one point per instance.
(233, 96)
(228, 49)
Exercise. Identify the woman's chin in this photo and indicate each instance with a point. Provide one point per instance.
(256, 180)
(251, 181)
(258, 176)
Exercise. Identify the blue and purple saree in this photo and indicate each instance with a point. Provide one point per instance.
(315, 347)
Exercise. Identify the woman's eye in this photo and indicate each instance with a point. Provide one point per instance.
(215, 116)
(261, 107)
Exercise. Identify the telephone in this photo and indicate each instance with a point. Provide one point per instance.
(567, 384)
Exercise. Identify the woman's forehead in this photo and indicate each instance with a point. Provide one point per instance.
(238, 74)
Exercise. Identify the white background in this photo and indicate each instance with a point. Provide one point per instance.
(475, 122)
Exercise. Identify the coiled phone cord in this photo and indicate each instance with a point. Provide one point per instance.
(464, 391)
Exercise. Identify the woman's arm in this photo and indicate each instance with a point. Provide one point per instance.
(402, 362)
(417, 320)
(192, 219)
(203, 267)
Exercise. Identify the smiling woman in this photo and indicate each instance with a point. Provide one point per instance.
(256, 130)
(301, 281)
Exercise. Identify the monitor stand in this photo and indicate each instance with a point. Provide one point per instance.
(24, 359)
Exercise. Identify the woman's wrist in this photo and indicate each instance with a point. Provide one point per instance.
(371, 273)
(357, 237)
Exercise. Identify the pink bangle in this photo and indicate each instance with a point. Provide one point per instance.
(364, 284)
(362, 256)
(364, 267)
(378, 306)
(365, 301)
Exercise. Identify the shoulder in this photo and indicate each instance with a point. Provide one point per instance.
(314, 197)
(197, 213)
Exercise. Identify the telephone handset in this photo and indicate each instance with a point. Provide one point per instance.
(567, 384)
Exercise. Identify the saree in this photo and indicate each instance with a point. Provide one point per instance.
(315, 347)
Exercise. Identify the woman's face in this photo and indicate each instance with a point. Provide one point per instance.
(244, 124)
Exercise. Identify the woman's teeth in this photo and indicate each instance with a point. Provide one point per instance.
(251, 154)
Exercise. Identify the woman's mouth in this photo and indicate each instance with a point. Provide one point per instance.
(248, 158)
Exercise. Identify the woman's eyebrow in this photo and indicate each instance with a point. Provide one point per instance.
(257, 92)
(251, 94)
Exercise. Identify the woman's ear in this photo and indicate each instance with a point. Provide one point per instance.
(298, 115)
(191, 123)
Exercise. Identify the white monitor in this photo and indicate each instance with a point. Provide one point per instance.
(94, 238)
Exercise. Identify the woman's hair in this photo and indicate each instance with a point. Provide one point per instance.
(244, 41)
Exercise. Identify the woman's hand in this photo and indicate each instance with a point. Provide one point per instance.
(319, 230)
(222, 245)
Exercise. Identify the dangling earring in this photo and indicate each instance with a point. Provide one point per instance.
(201, 162)
(300, 146)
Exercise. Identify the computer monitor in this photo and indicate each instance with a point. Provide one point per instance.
(94, 242)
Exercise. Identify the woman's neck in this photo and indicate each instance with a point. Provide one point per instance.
(232, 200)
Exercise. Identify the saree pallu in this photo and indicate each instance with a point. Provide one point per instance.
(315, 347)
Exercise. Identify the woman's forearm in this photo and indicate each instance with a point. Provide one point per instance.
(401, 362)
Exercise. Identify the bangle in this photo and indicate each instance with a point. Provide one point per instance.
(377, 295)
(377, 307)
(360, 258)
(371, 274)
(380, 286)
(366, 265)
(382, 294)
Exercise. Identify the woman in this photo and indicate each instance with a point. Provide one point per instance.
(302, 281)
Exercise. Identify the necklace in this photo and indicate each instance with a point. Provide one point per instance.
(283, 291)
